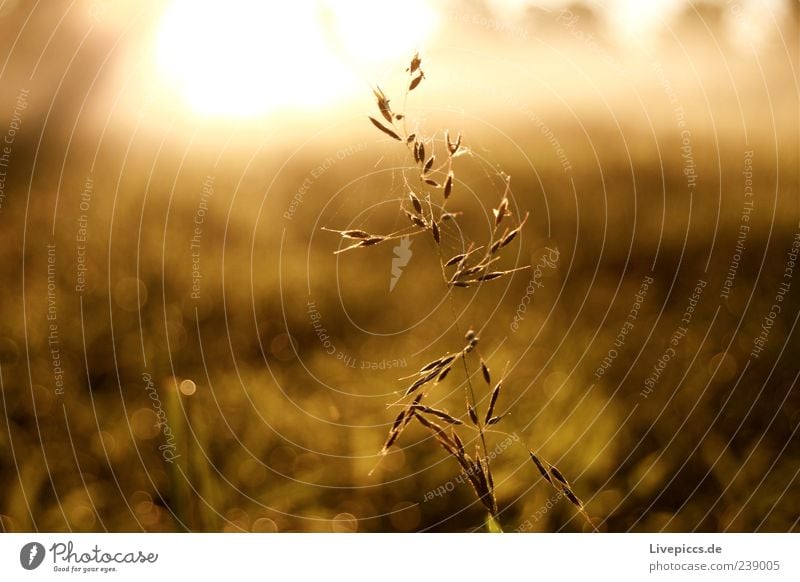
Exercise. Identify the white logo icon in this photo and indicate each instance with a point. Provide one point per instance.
(402, 256)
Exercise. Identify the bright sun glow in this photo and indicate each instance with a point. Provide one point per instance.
(244, 58)
(640, 21)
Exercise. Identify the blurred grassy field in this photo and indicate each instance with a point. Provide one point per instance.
(279, 430)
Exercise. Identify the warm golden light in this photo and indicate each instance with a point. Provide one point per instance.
(245, 59)
(378, 33)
